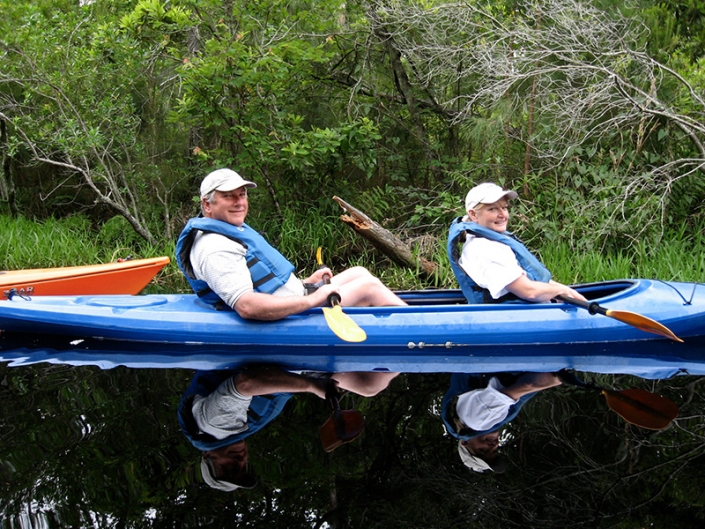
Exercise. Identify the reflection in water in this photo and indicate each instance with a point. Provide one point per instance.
(222, 409)
(84, 447)
(478, 405)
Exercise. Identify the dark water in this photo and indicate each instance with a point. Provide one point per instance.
(82, 446)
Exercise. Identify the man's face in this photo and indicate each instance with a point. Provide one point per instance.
(228, 206)
(484, 446)
(229, 457)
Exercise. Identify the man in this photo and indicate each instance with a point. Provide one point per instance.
(221, 409)
(477, 406)
(229, 263)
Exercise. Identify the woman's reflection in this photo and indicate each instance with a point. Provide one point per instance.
(477, 405)
(220, 409)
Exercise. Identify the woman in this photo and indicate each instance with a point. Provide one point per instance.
(494, 266)
(478, 405)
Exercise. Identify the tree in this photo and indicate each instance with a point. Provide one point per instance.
(73, 98)
(404, 103)
(250, 88)
(621, 129)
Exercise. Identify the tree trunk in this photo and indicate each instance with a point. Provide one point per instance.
(384, 240)
(7, 186)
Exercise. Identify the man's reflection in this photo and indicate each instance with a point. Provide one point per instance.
(477, 405)
(220, 409)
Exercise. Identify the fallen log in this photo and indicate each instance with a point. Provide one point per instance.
(384, 240)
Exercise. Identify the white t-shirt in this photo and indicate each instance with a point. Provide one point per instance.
(221, 262)
(491, 264)
(222, 413)
(481, 409)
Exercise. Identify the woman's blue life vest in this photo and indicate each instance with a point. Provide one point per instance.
(269, 269)
(473, 292)
(465, 382)
(263, 410)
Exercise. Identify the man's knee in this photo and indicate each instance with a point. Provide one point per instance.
(361, 272)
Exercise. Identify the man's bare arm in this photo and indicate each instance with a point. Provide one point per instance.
(265, 381)
(267, 307)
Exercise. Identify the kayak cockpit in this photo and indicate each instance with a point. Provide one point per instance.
(592, 291)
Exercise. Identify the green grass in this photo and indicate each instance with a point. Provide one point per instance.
(27, 244)
(74, 241)
(670, 260)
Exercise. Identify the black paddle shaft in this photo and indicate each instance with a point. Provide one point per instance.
(332, 394)
(592, 306)
(569, 378)
(334, 297)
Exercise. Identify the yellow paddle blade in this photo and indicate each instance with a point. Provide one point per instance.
(339, 322)
(642, 322)
(343, 326)
(319, 259)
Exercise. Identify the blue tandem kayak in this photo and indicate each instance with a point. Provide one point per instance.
(437, 332)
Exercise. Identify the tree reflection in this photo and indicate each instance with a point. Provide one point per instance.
(81, 447)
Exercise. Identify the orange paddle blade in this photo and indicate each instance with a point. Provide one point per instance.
(642, 322)
(342, 427)
(630, 318)
(642, 408)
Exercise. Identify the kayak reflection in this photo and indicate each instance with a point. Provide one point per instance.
(220, 410)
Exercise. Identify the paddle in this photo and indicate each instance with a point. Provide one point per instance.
(339, 322)
(630, 318)
(342, 426)
(636, 406)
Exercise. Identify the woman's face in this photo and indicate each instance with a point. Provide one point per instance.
(492, 216)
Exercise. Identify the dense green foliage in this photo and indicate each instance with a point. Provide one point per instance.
(120, 108)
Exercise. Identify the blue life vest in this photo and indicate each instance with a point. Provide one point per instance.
(473, 292)
(263, 410)
(463, 383)
(269, 269)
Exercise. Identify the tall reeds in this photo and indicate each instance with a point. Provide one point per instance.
(74, 241)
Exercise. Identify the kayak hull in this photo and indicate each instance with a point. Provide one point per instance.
(126, 277)
(435, 333)
(660, 361)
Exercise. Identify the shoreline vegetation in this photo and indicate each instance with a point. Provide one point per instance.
(74, 241)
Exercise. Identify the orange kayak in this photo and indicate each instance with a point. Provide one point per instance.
(126, 277)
